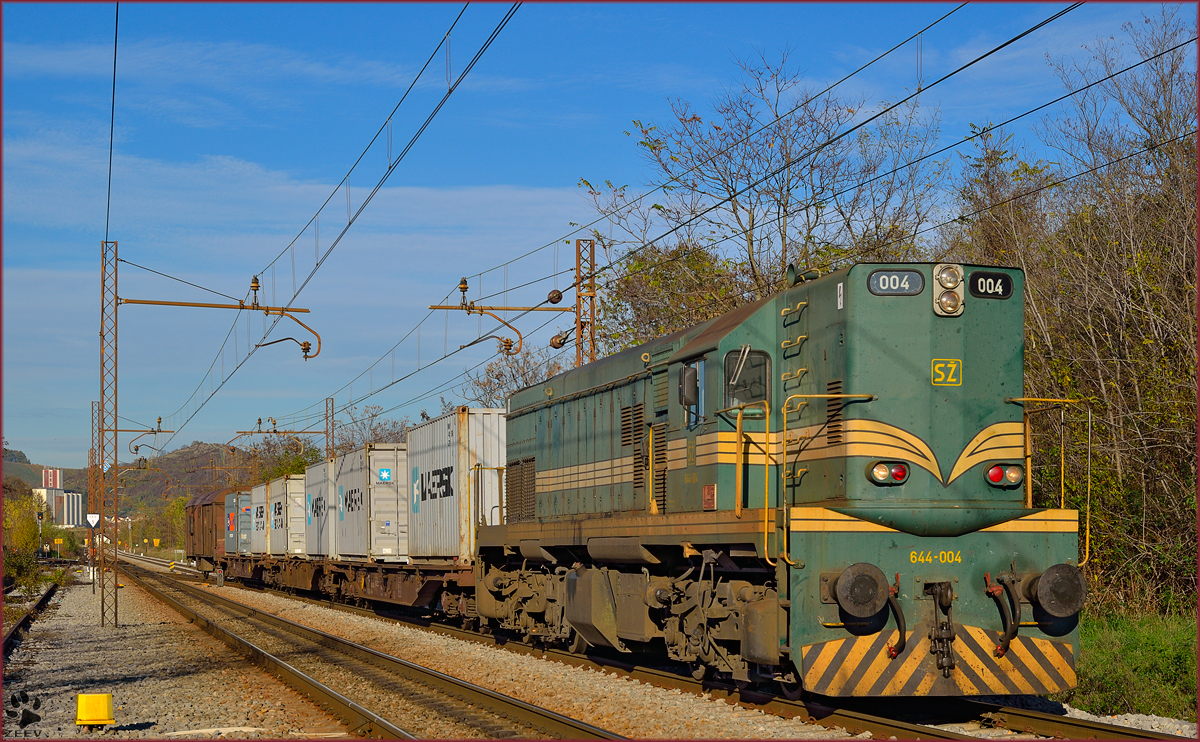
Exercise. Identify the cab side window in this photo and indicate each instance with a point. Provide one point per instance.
(747, 376)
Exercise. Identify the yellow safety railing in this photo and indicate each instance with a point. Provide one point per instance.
(795, 473)
(737, 479)
(1062, 460)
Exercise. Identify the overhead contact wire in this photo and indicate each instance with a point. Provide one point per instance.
(500, 27)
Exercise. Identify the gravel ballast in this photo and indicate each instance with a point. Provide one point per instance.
(606, 700)
(168, 678)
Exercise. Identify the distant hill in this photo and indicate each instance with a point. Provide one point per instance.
(31, 473)
(148, 487)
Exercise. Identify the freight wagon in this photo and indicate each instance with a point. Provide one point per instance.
(411, 507)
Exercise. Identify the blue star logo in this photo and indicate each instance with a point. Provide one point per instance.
(385, 475)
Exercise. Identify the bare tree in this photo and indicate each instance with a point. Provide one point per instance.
(508, 374)
(1110, 262)
(769, 178)
(368, 426)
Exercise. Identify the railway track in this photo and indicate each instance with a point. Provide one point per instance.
(21, 625)
(312, 661)
(898, 721)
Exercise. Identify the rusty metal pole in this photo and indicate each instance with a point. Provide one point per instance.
(106, 456)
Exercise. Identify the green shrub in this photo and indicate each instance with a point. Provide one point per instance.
(1143, 664)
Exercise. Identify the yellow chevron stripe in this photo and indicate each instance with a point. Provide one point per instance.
(967, 655)
(1049, 521)
(849, 664)
(878, 665)
(855, 430)
(905, 671)
(1065, 671)
(966, 686)
(824, 520)
(998, 441)
(1022, 652)
(821, 663)
(1006, 665)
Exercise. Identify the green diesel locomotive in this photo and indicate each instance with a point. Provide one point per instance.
(825, 489)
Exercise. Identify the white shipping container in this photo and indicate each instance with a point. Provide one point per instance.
(287, 512)
(259, 523)
(373, 502)
(320, 523)
(455, 481)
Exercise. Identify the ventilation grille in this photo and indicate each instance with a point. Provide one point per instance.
(632, 423)
(660, 390)
(520, 491)
(660, 466)
(833, 421)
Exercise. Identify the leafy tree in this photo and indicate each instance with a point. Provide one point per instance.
(1110, 289)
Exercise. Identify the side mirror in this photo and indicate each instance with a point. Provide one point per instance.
(689, 386)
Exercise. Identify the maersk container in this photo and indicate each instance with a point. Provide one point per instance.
(372, 495)
(321, 508)
(261, 523)
(285, 498)
(455, 474)
(244, 522)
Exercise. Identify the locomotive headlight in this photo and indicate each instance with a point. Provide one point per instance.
(881, 472)
(949, 302)
(1013, 474)
(949, 277)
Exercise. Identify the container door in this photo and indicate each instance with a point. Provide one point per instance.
(296, 516)
(382, 480)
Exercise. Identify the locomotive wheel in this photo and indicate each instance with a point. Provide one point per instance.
(791, 691)
(578, 644)
(699, 671)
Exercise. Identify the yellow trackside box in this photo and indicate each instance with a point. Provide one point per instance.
(93, 708)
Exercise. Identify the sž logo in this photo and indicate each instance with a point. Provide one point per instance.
(21, 708)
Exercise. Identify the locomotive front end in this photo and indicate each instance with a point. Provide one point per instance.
(917, 564)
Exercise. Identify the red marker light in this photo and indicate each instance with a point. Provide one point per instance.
(995, 475)
(899, 472)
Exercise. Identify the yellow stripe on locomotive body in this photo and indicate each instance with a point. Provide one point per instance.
(866, 421)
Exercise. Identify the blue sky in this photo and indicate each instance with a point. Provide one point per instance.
(234, 122)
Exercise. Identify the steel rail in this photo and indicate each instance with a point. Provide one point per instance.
(159, 562)
(542, 719)
(854, 722)
(22, 624)
(824, 714)
(997, 715)
(360, 720)
(1062, 727)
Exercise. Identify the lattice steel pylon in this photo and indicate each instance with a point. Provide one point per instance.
(585, 301)
(106, 451)
(329, 427)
